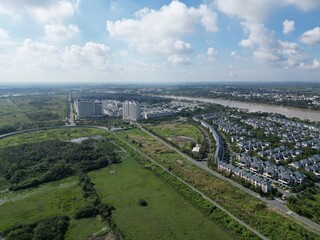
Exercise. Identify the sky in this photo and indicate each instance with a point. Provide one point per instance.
(128, 41)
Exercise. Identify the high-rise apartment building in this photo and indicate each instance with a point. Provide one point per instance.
(88, 108)
(131, 110)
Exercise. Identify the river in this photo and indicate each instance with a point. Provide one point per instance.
(304, 114)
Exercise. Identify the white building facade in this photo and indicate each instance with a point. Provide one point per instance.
(131, 110)
(88, 108)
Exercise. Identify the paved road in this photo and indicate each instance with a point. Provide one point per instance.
(71, 121)
(194, 189)
(273, 203)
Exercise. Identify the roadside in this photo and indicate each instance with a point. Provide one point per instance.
(276, 204)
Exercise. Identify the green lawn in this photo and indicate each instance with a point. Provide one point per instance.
(52, 199)
(181, 134)
(167, 216)
(80, 229)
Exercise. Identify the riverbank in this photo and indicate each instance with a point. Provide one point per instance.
(291, 112)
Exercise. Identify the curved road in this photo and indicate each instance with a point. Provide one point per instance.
(273, 203)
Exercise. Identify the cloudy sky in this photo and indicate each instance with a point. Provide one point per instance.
(159, 41)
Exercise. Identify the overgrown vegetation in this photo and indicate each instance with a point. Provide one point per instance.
(95, 206)
(51, 228)
(242, 205)
(307, 203)
(182, 135)
(29, 165)
(32, 111)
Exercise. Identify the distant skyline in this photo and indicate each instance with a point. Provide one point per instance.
(127, 41)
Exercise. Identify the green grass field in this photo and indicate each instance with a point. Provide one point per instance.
(181, 134)
(45, 135)
(82, 228)
(241, 204)
(31, 110)
(52, 199)
(167, 216)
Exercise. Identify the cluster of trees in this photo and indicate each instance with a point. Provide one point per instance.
(29, 165)
(51, 228)
(306, 203)
(95, 206)
(7, 129)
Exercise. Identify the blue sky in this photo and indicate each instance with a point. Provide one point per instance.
(159, 41)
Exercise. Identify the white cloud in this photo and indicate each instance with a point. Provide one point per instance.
(311, 37)
(182, 47)
(246, 43)
(58, 12)
(207, 57)
(91, 55)
(266, 48)
(211, 54)
(43, 11)
(254, 11)
(235, 55)
(160, 31)
(35, 55)
(315, 65)
(3, 34)
(59, 32)
(179, 60)
(250, 10)
(288, 26)
(305, 5)
(41, 56)
(262, 41)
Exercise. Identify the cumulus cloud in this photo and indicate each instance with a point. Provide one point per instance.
(315, 65)
(38, 55)
(182, 47)
(262, 41)
(43, 11)
(246, 43)
(3, 34)
(59, 32)
(211, 53)
(266, 48)
(177, 59)
(311, 37)
(91, 55)
(254, 11)
(161, 31)
(288, 26)
(207, 57)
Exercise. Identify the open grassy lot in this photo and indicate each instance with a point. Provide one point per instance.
(179, 133)
(52, 134)
(32, 110)
(80, 229)
(249, 209)
(167, 216)
(52, 199)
